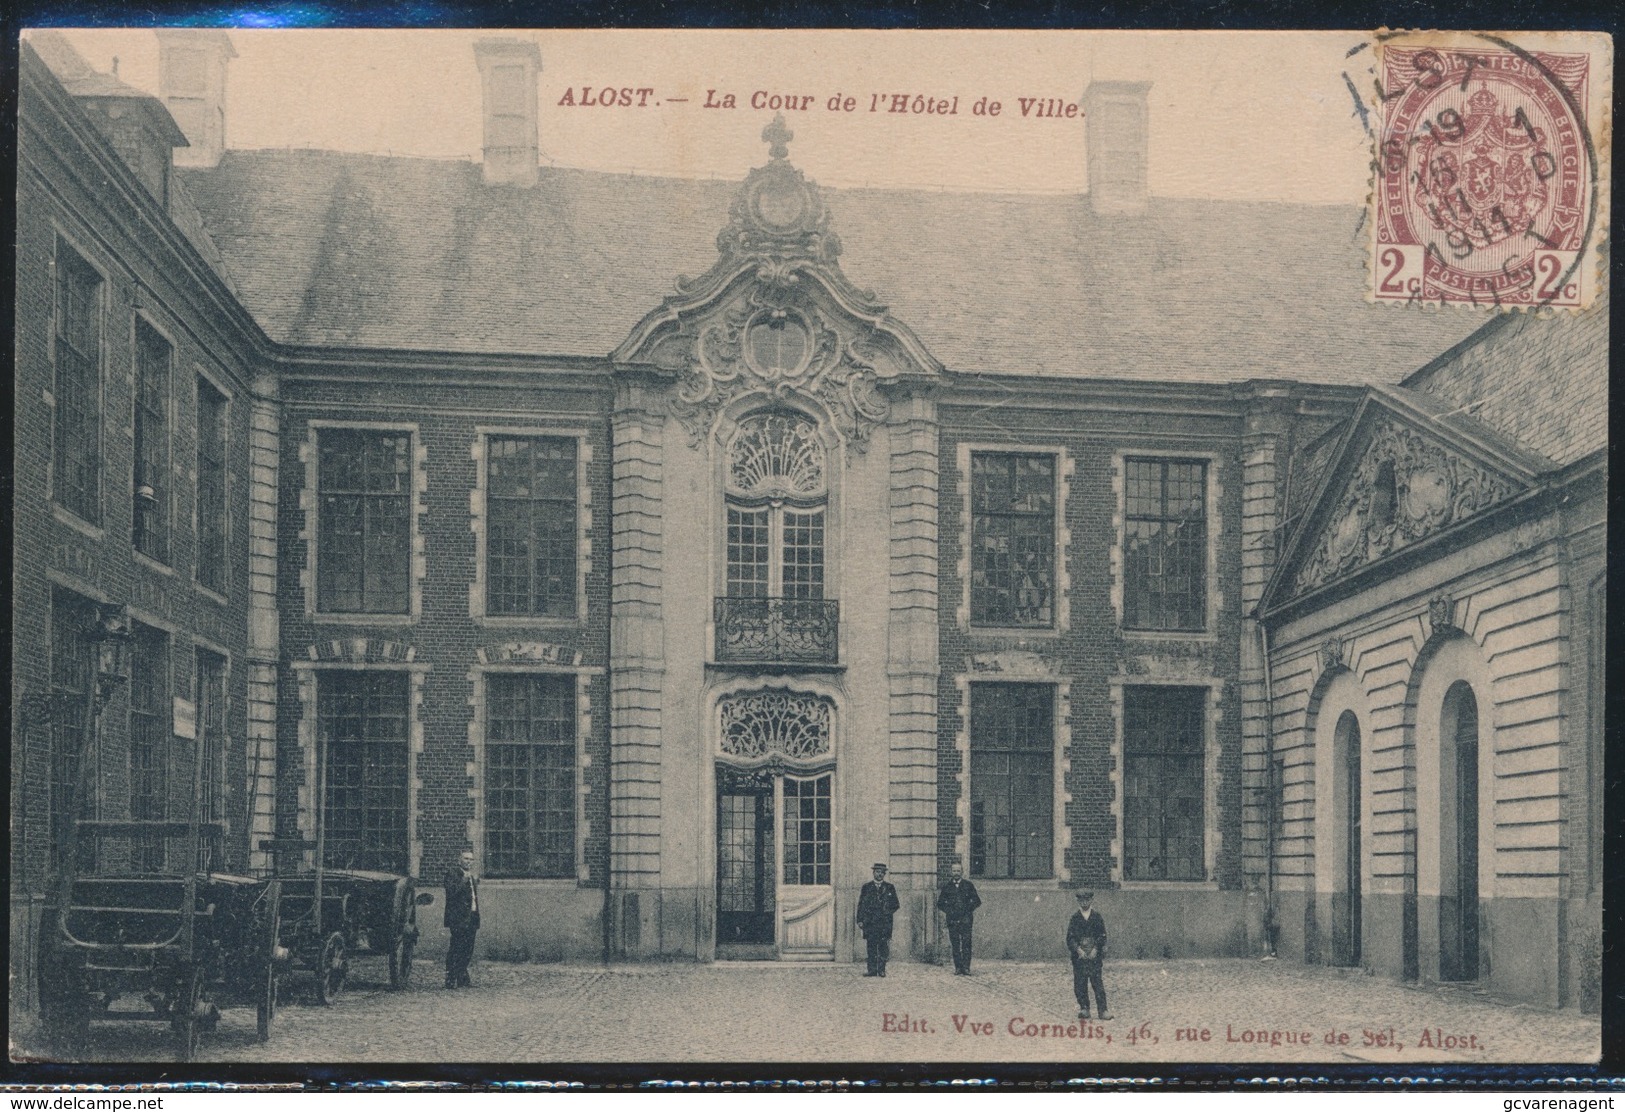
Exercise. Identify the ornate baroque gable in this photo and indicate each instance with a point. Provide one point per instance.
(1403, 487)
(776, 316)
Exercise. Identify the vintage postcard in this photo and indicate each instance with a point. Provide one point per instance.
(810, 547)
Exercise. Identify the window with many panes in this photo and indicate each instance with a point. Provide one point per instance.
(775, 509)
(71, 618)
(211, 486)
(364, 545)
(76, 455)
(1012, 780)
(363, 722)
(150, 731)
(807, 829)
(211, 725)
(1163, 791)
(1012, 539)
(532, 522)
(530, 775)
(1165, 546)
(151, 508)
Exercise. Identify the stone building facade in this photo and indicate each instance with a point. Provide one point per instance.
(680, 605)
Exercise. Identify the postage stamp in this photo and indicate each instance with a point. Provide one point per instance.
(665, 554)
(1487, 173)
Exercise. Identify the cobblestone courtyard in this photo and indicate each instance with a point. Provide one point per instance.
(1250, 1011)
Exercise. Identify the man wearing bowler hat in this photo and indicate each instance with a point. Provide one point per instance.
(1086, 944)
(877, 903)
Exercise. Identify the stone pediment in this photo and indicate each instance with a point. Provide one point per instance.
(1396, 480)
(776, 316)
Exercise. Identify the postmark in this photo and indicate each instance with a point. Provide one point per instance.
(1487, 174)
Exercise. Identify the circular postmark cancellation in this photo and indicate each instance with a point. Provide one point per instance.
(1487, 176)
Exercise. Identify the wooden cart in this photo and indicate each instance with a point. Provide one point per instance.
(177, 944)
(330, 917)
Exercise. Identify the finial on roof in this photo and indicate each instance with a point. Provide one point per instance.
(779, 136)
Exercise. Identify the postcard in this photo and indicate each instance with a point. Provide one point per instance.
(636, 547)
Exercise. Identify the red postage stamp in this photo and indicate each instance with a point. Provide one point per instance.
(1487, 174)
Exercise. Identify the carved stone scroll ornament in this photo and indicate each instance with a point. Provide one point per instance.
(767, 343)
(1422, 490)
(1442, 612)
(1331, 653)
(775, 724)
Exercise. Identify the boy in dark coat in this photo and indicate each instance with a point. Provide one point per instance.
(1086, 944)
(877, 903)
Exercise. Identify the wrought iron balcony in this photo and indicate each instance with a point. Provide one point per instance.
(777, 630)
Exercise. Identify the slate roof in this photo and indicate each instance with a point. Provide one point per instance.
(1539, 381)
(332, 248)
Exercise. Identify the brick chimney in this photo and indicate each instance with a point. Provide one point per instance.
(1117, 121)
(508, 70)
(192, 84)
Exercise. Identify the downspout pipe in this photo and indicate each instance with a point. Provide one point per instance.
(1273, 804)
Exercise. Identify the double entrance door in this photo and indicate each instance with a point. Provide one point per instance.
(775, 896)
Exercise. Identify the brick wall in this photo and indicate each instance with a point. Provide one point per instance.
(444, 638)
(147, 269)
(1092, 650)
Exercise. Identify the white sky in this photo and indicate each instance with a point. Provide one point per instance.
(1235, 115)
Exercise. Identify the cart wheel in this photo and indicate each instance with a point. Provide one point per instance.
(406, 939)
(334, 967)
(269, 944)
(400, 960)
(267, 1006)
(188, 1029)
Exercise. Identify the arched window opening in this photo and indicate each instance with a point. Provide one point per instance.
(777, 499)
(1458, 820)
(1346, 898)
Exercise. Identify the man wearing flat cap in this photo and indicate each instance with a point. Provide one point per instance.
(1086, 944)
(877, 903)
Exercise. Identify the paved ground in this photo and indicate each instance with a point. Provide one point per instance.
(1251, 1011)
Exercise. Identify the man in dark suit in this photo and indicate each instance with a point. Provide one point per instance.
(1086, 944)
(462, 919)
(958, 901)
(877, 903)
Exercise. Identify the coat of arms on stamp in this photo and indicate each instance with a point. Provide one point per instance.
(1487, 175)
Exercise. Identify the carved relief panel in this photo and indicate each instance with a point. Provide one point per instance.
(1404, 488)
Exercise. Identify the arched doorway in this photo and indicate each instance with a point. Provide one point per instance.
(1346, 925)
(1458, 835)
(775, 827)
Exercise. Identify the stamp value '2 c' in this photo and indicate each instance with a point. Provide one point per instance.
(1487, 174)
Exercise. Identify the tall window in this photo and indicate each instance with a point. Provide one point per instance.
(150, 730)
(776, 503)
(71, 618)
(151, 510)
(807, 838)
(1165, 558)
(531, 540)
(211, 486)
(530, 779)
(211, 726)
(1163, 797)
(362, 717)
(1012, 780)
(364, 545)
(1012, 539)
(76, 458)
